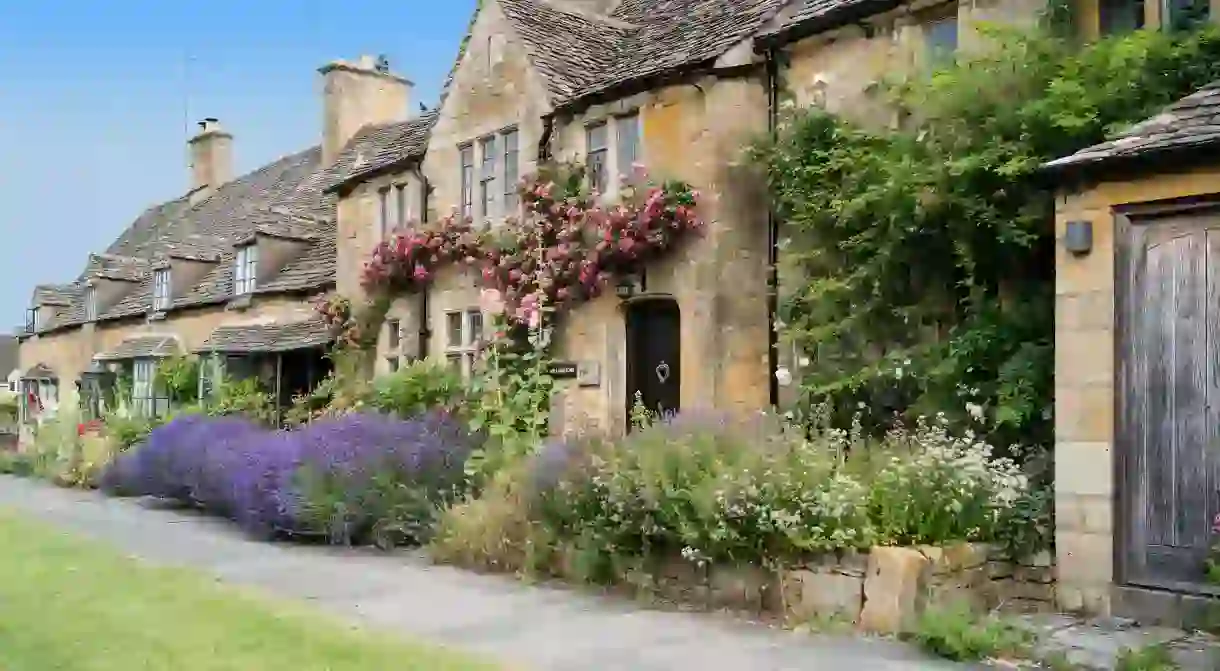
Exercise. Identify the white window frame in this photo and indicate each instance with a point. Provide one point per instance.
(627, 142)
(383, 212)
(466, 160)
(90, 304)
(597, 154)
(402, 207)
(245, 271)
(162, 287)
(510, 146)
(489, 161)
(143, 386)
(464, 331)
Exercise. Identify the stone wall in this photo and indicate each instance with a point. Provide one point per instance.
(881, 591)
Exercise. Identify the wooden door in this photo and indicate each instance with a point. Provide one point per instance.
(1169, 394)
(654, 355)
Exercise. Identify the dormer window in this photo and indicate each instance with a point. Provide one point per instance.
(90, 304)
(32, 321)
(245, 272)
(162, 296)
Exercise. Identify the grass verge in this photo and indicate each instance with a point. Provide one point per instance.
(72, 605)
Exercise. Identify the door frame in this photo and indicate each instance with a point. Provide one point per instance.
(625, 307)
(1126, 219)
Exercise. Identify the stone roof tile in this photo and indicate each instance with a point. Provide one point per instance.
(379, 146)
(141, 346)
(268, 337)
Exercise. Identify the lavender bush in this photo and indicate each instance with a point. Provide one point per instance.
(356, 478)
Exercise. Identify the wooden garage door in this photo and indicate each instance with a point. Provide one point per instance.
(1169, 379)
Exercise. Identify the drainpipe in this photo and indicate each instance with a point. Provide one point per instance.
(772, 83)
(425, 334)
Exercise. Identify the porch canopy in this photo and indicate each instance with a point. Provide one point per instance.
(268, 337)
(142, 347)
(39, 371)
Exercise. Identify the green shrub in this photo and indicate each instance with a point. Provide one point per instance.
(244, 397)
(956, 633)
(418, 387)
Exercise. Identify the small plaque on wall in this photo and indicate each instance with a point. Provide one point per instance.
(588, 374)
(562, 370)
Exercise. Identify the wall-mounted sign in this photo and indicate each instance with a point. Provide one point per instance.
(561, 370)
(588, 374)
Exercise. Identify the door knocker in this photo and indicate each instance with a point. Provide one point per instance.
(663, 372)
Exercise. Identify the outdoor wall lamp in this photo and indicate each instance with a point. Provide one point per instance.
(1078, 238)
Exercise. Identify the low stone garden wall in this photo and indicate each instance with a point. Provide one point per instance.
(881, 591)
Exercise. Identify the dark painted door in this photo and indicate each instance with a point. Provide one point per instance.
(654, 370)
(1169, 397)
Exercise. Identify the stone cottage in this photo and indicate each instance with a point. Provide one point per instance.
(228, 269)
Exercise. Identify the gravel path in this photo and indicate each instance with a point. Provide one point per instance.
(525, 626)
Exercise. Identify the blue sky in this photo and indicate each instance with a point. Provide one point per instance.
(95, 102)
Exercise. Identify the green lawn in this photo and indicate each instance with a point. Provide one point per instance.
(71, 605)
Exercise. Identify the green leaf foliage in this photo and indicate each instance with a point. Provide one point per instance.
(918, 262)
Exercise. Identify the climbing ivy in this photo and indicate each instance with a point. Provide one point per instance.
(918, 262)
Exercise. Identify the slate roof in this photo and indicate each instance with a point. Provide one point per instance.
(40, 371)
(142, 346)
(581, 55)
(283, 199)
(1190, 124)
(808, 17)
(275, 337)
(380, 146)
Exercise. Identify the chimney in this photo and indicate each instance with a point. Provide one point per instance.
(211, 158)
(358, 94)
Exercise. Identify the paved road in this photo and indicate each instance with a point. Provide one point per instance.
(528, 627)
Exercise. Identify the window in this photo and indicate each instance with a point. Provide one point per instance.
(211, 370)
(90, 304)
(1184, 14)
(595, 163)
(31, 320)
(467, 156)
(627, 130)
(487, 180)
(161, 290)
(463, 339)
(394, 336)
(383, 212)
(246, 271)
(940, 35)
(511, 168)
(400, 206)
(1120, 16)
(143, 399)
(392, 363)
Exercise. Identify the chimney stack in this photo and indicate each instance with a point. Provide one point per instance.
(357, 94)
(211, 158)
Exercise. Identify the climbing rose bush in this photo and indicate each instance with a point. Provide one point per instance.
(357, 478)
(564, 250)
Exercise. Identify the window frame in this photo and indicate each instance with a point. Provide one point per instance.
(467, 347)
(143, 386)
(383, 212)
(394, 334)
(512, 167)
(402, 207)
(933, 20)
(466, 159)
(162, 289)
(596, 171)
(489, 162)
(623, 162)
(245, 275)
